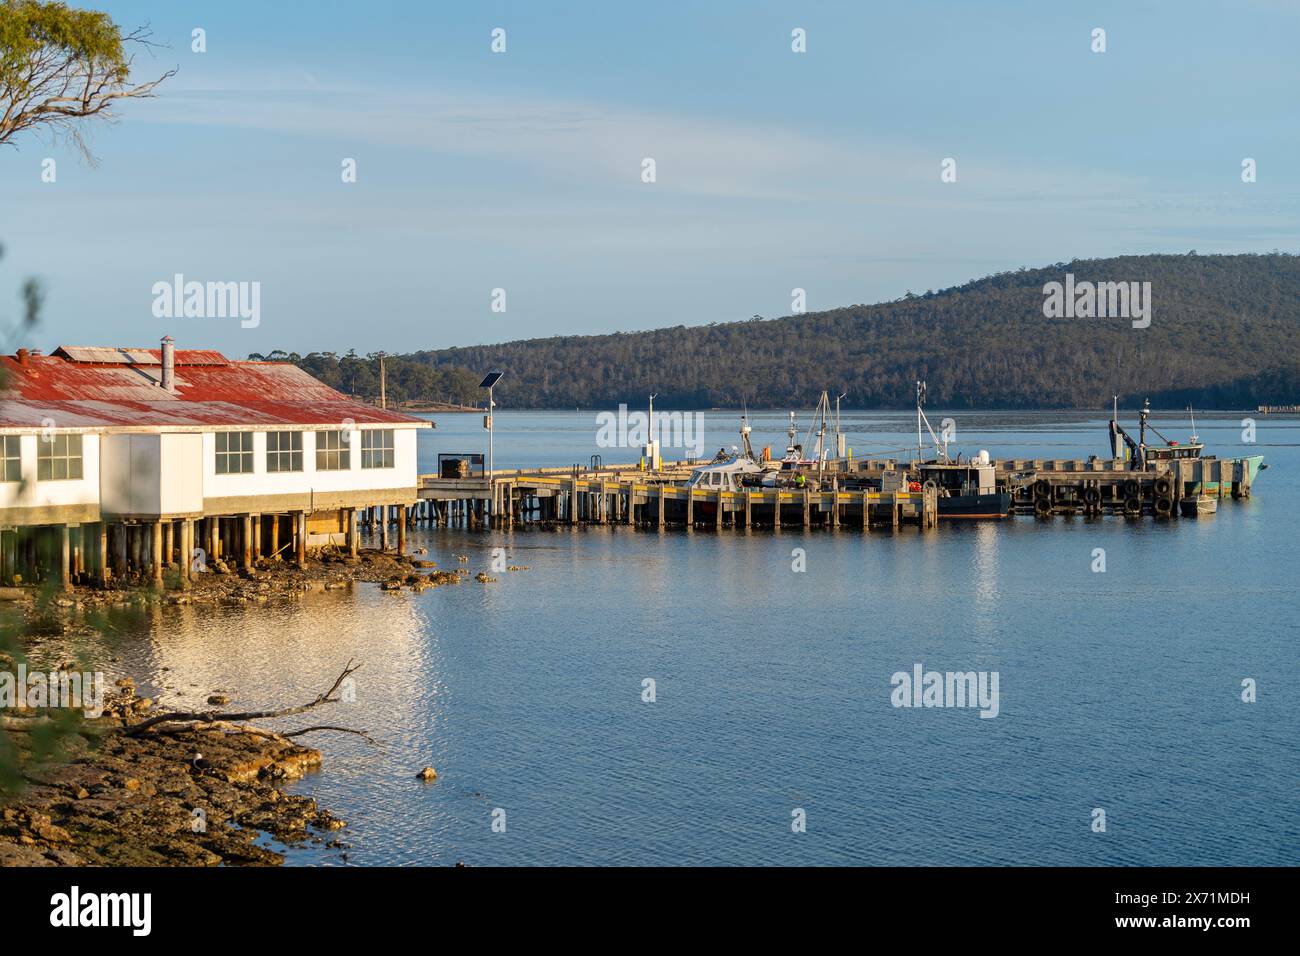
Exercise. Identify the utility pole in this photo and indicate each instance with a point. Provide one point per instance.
(383, 397)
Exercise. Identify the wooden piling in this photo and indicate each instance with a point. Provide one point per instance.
(155, 552)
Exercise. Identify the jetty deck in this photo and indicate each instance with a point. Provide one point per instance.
(839, 496)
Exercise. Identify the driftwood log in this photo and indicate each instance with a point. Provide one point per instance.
(176, 721)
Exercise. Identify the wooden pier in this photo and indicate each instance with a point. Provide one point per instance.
(839, 495)
(521, 499)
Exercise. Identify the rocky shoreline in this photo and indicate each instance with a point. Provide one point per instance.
(195, 797)
(325, 569)
(185, 797)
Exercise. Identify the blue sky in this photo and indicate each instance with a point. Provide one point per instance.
(521, 170)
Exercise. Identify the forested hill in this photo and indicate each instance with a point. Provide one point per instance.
(1224, 333)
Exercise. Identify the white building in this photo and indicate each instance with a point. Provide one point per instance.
(120, 460)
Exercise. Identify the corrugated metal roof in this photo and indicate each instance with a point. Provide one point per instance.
(94, 391)
(101, 355)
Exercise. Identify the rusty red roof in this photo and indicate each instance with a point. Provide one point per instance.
(78, 387)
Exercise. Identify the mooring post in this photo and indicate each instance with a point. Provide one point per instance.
(749, 508)
(807, 507)
(660, 525)
(717, 521)
(690, 508)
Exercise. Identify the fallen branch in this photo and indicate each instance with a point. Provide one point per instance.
(198, 718)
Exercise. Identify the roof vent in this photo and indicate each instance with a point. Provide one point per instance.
(168, 364)
(23, 356)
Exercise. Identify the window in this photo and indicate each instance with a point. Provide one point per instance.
(377, 448)
(234, 453)
(58, 457)
(332, 451)
(11, 459)
(284, 451)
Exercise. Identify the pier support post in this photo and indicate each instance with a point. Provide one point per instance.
(246, 541)
(401, 528)
(186, 550)
(300, 542)
(717, 521)
(119, 550)
(352, 532)
(807, 508)
(866, 511)
(155, 553)
(749, 509)
(65, 556)
(776, 511)
(100, 547)
(662, 504)
(690, 509)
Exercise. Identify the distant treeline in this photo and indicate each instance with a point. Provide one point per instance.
(406, 379)
(1224, 333)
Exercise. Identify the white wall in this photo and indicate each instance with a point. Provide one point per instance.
(172, 473)
(129, 474)
(30, 493)
(180, 483)
(356, 478)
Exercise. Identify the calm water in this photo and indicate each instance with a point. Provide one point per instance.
(1118, 690)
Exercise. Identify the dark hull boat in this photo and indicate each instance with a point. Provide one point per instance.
(996, 505)
(966, 489)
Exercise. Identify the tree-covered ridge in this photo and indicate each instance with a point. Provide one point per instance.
(1225, 333)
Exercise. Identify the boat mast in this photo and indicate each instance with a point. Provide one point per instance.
(920, 400)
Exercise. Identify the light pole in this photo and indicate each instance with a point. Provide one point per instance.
(489, 382)
(652, 443)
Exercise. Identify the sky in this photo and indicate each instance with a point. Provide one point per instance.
(522, 170)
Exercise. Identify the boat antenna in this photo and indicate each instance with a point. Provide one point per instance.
(1193, 414)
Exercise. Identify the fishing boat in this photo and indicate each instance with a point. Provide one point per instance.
(1143, 456)
(966, 488)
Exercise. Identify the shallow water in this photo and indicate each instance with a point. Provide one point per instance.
(1118, 690)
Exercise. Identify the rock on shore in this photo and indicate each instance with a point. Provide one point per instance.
(195, 798)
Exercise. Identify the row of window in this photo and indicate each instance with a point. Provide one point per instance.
(58, 457)
(284, 451)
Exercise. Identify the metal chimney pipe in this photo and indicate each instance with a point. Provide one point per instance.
(168, 364)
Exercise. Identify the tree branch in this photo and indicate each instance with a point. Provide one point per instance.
(199, 718)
